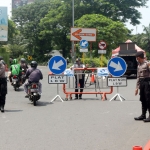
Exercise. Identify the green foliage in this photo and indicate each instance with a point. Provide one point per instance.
(4, 54)
(45, 24)
(108, 30)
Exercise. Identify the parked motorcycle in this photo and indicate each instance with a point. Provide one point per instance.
(33, 90)
(16, 82)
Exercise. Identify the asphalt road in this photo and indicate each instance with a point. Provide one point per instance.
(87, 124)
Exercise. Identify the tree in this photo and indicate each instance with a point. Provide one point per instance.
(117, 10)
(146, 37)
(28, 18)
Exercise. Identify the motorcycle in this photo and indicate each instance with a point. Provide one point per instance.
(33, 90)
(23, 77)
(15, 82)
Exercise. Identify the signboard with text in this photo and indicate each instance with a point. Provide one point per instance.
(122, 81)
(57, 79)
(88, 34)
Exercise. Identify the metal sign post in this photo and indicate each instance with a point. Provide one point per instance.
(118, 82)
(57, 96)
(57, 65)
(102, 46)
(117, 67)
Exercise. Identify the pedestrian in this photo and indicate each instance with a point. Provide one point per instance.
(3, 86)
(143, 84)
(79, 77)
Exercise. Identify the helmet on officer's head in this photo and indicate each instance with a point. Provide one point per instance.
(1, 58)
(33, 64)
(22, 60)
(15, 61)
(3, 62)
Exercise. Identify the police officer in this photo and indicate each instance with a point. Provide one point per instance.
(79, 77)
(3, 86)
(143, 84)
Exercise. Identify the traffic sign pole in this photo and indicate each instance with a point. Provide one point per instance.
(117, 95)
(57, 96)
(117, 68)
(57, 65)
(102, 45)
(83, 57)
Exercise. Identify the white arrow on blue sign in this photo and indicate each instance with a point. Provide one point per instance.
(57, 64)
(83, 43)
(117, 66)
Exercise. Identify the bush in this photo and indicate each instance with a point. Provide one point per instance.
(95, 62)
(4, 54)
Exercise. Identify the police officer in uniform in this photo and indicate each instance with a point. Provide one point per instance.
(79, 77)
(3, 86)
(143, 84)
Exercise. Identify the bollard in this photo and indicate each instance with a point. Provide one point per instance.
(137, 148)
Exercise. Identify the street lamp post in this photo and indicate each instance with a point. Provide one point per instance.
(73, 52)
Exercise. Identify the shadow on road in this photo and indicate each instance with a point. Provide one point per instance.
(39, 103)
(13, 110)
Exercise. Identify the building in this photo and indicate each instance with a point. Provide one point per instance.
(17, 3)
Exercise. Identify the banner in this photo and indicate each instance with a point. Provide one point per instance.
(3, 24)
(102, 71)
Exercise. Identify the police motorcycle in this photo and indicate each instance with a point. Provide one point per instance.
(33, 93)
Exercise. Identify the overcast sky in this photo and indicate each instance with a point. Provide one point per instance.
(144, 11)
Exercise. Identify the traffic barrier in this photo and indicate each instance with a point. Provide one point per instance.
(99, 84)
(137, 148)
(147, 146)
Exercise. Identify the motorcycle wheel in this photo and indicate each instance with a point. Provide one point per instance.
(15, 87)
(34, 100)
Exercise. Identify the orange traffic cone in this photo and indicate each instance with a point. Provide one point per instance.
(137, 148)
(92, 78)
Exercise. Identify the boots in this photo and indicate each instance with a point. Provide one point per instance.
(143, 116)
(147, 119)
(2, 108)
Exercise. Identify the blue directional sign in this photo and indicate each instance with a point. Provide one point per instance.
(83, 43)
(57, 64)
(117, 66)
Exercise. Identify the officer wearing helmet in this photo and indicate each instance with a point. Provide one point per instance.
(23, 64)
(33, 75)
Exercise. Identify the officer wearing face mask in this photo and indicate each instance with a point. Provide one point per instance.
(143, 84)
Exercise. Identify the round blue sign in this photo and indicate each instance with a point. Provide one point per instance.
(57, 64)
(117, 66)
(84, 44)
